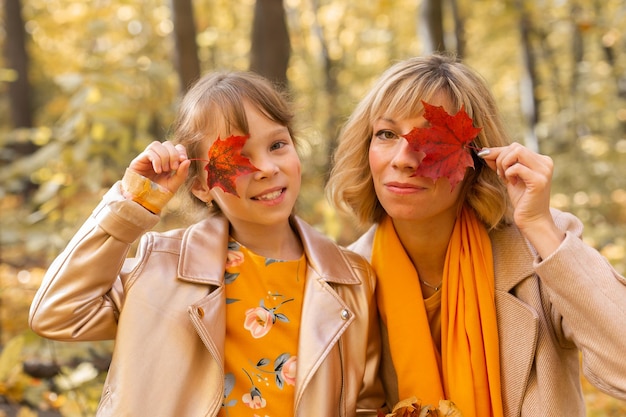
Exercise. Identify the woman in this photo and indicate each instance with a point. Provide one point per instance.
(248, 312)
(486, 294)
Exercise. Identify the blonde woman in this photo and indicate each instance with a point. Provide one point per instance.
(487, 295)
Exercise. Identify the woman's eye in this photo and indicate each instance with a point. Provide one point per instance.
(385, 134)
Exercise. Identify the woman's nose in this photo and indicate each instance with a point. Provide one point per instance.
(406, 157)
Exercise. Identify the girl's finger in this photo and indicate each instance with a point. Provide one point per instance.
(182, 152)
(171, 157)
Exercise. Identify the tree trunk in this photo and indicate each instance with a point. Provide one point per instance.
(331, 93)
(528, 80)
(430, 24)
(271, 48)
(17, 60)
(459, 28)
(187, 62)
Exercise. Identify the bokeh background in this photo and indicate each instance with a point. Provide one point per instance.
(86, 85)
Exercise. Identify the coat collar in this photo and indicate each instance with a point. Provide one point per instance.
(203, 251)
(204, 248)
(511, 253)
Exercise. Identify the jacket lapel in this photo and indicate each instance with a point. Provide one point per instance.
(204, 248)
(325, 316)
(203, 251)
(517, 322)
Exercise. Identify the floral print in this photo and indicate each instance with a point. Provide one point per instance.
(229, 384)
(264, 299)
(234, 257)
(288, 371)
(284, 369)
(259, 320)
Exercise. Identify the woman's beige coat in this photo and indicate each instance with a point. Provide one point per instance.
(548, 311)
(166, 309)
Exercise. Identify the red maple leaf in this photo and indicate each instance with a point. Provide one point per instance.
(226, 163)
(444, 143)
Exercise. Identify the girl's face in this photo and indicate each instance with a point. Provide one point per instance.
(266, 197)
(393, 163)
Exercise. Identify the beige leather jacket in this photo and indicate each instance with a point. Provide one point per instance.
(165, 307)
(548, 311)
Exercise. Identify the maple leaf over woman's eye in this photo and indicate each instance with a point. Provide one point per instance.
(445, 144)
(226, 163)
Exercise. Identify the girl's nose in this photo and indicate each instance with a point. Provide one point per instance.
(266, 168)
(405, 157)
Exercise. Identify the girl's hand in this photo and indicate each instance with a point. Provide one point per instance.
(528, 176)
(163, 163)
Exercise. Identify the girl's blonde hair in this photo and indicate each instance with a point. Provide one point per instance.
(214, 106)
(398, 94)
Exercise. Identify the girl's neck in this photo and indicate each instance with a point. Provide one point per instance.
(280, 242)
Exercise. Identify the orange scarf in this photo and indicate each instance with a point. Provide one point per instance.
(469, 335)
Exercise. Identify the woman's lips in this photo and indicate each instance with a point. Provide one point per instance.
(403, 188)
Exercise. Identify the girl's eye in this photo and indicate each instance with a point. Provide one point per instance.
(277, 145)
(386, 134)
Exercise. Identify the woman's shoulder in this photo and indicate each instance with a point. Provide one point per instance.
(363, 244)
(564, 220)
(327, 254)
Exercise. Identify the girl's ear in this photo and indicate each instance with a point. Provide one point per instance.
(201, 191)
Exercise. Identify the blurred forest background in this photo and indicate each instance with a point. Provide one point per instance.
(86, 85)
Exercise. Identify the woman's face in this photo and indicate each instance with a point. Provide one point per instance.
(393, 162)
(267, 196)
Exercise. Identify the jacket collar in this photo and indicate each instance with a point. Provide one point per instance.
(511, 253)
(204, 249)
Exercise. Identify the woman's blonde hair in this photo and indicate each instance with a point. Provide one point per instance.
(398, 94)
(214, 106)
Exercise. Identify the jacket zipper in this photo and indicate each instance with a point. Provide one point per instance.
(342, 394)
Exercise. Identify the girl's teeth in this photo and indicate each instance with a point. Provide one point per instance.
(270, 196)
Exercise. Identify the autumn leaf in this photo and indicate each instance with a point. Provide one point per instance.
(226, 163)
(444, 144)
(409, 407)
(412, 407)
(448, 409)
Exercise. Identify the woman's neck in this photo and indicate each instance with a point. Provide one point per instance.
(280, 242)
(426, 244)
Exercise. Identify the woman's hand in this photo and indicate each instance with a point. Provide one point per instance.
(528, 177)
(163, 163)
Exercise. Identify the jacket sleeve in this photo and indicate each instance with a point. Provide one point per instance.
(589, 305)
(81, 293)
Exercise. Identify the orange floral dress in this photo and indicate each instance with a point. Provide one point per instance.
(263, 308)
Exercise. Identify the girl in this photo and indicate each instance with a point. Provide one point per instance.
(486, 295)
(247, 312)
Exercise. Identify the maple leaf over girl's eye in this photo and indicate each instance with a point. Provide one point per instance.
(444, 143)
(226, 163)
